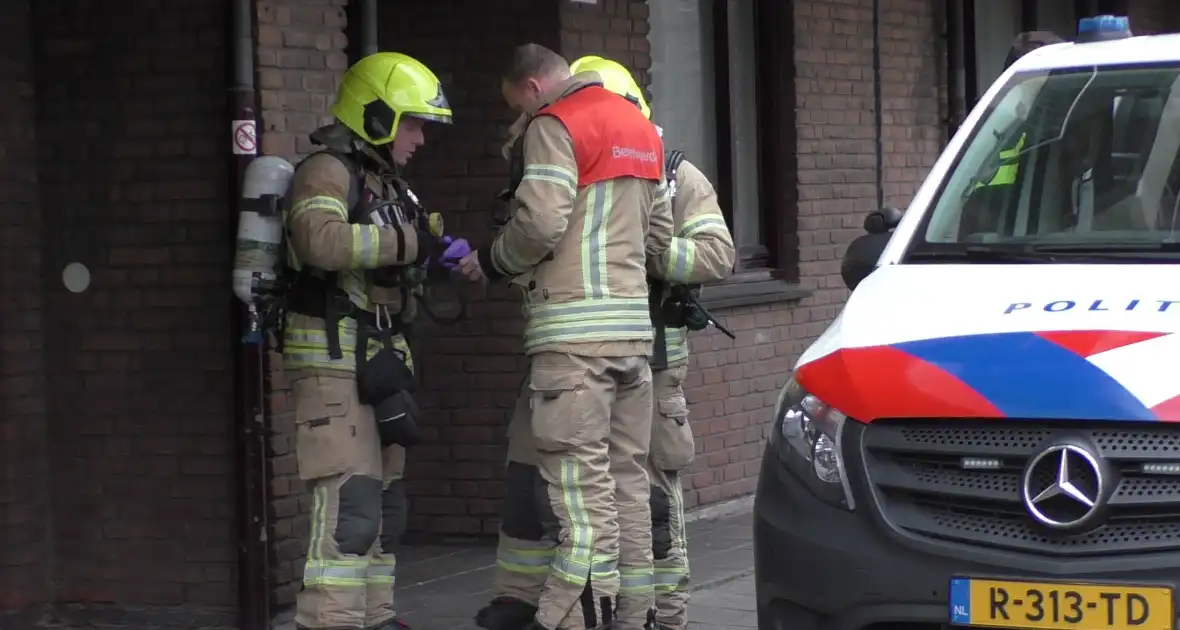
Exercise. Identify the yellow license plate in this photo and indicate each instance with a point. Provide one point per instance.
(1020, 604)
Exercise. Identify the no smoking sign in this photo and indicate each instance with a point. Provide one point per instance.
(245, 140)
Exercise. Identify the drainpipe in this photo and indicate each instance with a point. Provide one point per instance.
(878, 115)
(953, 57)
(369, 43)
(970, 61)
(250, 420)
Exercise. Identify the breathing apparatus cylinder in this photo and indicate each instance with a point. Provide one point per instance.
(260, 236)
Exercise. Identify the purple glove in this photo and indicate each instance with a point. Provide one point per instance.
(456, 249)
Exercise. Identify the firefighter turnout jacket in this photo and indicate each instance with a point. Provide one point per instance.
(592, 208)
(324, 244)
(702, 250)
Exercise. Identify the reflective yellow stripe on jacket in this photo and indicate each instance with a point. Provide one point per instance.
(308, 347)
(680, 266)
(598, 317)
(366, 243)
(599, 203)
(552, 174)
(618, 319)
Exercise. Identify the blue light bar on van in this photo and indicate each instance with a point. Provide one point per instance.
(1102, 28)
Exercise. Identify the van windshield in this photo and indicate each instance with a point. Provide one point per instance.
(1076, 160)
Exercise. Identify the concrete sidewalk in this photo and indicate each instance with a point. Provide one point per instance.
(728, 605)
(441, 588)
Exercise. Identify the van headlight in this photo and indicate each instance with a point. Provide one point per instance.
(807, 438)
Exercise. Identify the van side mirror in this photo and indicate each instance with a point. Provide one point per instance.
(861, 258)
(883, 220)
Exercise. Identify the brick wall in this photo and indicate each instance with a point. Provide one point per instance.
(300, 59)
(912, 82)
(23, 497)
(132, 129)
(615, 29)
(837, 161)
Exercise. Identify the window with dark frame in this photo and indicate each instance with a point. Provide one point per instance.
(723, 83)
(968, 39)
(739, 164)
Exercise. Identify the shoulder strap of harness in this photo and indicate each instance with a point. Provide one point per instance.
(656, 286)
(672, 163)
(655, 305)
(356, 175)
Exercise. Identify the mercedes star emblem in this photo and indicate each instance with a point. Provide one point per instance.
(1063, 486)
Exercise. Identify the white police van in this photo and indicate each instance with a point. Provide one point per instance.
(989, 433)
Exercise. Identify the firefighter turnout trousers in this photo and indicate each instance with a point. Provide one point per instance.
(589, 429)
(358, 505)
(672, 451)
(528, 532)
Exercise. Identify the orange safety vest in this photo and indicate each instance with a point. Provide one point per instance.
(611, 137)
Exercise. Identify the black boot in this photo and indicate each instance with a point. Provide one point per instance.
(506, 613)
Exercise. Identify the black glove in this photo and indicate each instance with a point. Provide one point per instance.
(397, 420)
(428, 246)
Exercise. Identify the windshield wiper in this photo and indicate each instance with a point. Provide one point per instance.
(1133, 250)
(1132, 246)
(984, 253)
(1049, 253)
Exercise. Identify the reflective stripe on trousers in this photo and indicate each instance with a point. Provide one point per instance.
(526, 561)
(671, 578)
(342, 573)
(676, 342)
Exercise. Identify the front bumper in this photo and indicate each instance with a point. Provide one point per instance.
(822, 568)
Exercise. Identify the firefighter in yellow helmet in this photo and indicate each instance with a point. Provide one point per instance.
(701, 251)
(358, 241)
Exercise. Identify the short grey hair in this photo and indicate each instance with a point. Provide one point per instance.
(533, 61)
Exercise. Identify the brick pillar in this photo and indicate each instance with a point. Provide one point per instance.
(300, 58)
(24, 557)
